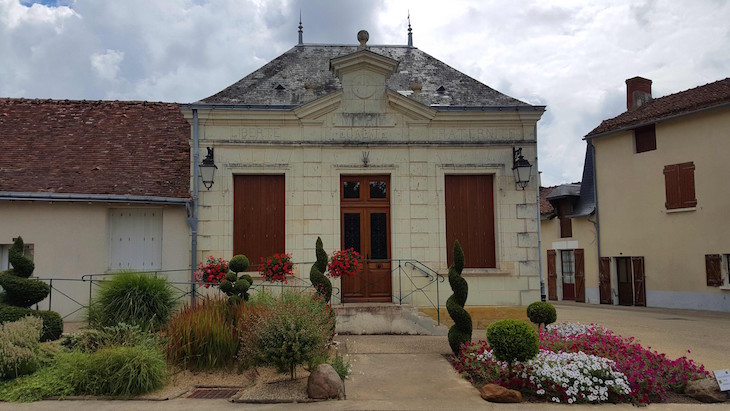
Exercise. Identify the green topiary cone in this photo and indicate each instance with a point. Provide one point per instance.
(316, 275)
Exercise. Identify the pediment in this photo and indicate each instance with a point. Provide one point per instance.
(363, 60)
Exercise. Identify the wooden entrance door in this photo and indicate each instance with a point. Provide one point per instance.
(365, 227)
(604, 280)
(625, 283)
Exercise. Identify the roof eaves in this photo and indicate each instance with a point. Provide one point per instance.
(96, 198)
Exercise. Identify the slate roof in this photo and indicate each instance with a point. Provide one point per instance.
(582, 194)
(303, 74)
(94, 147)
(685, 102)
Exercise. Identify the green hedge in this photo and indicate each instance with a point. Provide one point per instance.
(52, 322)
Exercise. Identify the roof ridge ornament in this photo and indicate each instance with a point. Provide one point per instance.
(301, 38)
(363, 36)
(410, 31)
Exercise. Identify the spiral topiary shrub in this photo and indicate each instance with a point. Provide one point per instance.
(513, 340)
(316, 275)
(541, 313)
(235, 286)
(21, 292)
(460, 332)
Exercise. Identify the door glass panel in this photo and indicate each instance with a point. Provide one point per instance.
(351, 189)
(378, 236)
(352, 231)
(378, 189)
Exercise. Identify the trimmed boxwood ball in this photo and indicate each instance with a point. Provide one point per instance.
(513, 340)
(541, 312)
(238, 263)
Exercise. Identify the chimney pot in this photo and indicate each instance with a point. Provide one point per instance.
(638, 92)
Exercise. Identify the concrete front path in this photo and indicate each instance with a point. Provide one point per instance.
(410, 372)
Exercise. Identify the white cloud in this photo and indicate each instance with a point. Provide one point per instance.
(106, 65)
(572, 56)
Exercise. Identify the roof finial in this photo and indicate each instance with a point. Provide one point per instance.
(301, 39)
(410, 34)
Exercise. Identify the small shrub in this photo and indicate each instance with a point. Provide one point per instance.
(234, 285)
(295, 330)
(52, 381)
(19, 347)
(52, 322)
(205, 336)
(512, 340)
(541, 313)
(341, 365)
(91, 340)
(132, 298)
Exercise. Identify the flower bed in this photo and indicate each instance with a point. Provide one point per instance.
(583, 363)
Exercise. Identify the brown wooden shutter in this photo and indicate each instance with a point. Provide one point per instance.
(639, 287)
(258, 216)
(470, 219)
(671, 185)
(580, 276)
(679, 181)
(712, 268)
(552, 276)
(604, 280)
(645, 138)
(687, 184)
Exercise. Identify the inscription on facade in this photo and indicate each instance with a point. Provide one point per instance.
(257, 133)
(363, 120)
(476, 134)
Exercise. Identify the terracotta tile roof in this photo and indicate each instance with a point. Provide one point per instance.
(685, 102)
(546, 209)
(94, 147)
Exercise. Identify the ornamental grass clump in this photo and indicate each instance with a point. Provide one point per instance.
(206, 335)
(650, 375)
(133, 298)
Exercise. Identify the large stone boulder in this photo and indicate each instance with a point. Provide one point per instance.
(497, 393)
(325, 383)
(705, 390)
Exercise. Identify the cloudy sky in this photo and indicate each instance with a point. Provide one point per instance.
(571, 55)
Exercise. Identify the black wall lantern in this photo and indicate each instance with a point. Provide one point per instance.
(207, 169)
(521, 168)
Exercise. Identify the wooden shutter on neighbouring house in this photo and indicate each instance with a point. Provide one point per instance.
(552, 275)
(604, 280)
(639, 287)
(580, 276)
(645, 138)
(679, 181)
(712, 269)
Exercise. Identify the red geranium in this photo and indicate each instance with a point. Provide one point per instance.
(211, 272)
(276, 267)
(344, 262)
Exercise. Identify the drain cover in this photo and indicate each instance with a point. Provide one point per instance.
(213, 393)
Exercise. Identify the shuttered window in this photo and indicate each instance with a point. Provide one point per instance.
(645, 138)
(713, 269)
(679, 182)
(258, 216)
(136, 239)
(470, 219)
(566, 223)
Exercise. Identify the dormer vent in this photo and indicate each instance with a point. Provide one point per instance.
(279, 87)
(441, 90)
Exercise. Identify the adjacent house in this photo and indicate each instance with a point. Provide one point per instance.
(568, 238)
(660, 172)
(94, 187)
(383, 149)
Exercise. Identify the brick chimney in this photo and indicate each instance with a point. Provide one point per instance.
(638, 92)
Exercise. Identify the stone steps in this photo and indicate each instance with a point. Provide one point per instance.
(384, 318)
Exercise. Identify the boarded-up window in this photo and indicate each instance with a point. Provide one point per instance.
(679, 182)
(258, 216)
(645, 138)
(713, 264)
(136, 239)
(470, 219)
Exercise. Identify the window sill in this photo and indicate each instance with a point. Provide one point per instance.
(680, 210)
(479, 272)
(725, 287)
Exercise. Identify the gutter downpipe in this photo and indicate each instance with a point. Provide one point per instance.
(596, 223)
(539, 230)
(193, 219)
